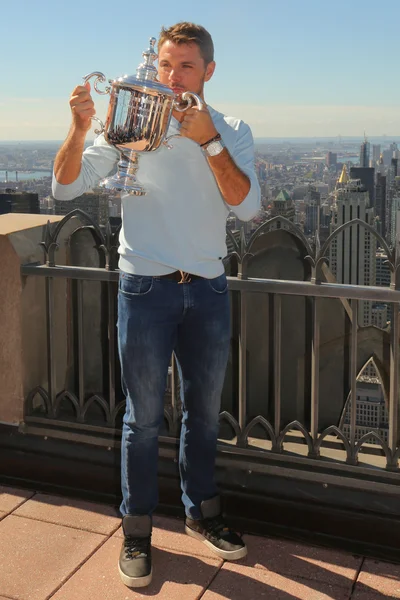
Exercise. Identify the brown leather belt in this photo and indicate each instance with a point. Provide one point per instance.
(181, 277)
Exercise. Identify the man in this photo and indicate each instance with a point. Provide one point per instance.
(173, 235)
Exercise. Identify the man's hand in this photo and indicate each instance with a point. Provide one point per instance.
(82, 107)
(198, 125)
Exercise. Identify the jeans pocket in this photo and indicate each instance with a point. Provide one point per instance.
(219, 285)
(135, 285)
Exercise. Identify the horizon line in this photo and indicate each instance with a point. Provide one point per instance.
(312, 137)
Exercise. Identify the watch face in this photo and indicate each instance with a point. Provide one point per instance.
(214, 148)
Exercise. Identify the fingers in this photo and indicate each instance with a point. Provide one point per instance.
(187, 125)
(84, 113)
(193, 111)
(81, 89)
(184, 131)
(82, 106)
(79, 96)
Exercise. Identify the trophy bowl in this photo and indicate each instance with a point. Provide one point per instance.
(138, 117)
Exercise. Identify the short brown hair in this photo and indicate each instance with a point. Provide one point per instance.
(187, 33)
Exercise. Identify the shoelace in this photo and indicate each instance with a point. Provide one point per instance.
(216, 526)
(136, 547)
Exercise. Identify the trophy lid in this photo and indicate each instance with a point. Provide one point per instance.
(146, 73)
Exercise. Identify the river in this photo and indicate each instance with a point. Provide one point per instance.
(23, 175)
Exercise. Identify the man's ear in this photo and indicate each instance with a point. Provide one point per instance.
(210, 70)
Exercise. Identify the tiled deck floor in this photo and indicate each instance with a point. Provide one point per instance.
(54, 547)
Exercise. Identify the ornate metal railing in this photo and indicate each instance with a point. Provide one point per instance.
(43, 406)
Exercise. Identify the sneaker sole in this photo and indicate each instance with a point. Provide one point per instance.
(135, 582)
(225, 554)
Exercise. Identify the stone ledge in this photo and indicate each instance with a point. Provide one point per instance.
(14, 222)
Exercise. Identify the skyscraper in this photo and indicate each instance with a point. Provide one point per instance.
(367, 177)
(95, 204)
(376, 152)
(352, 252)
(331, 159)
(283, 206)
(313, 210)
(394, 212)
(380, 203)
(19, 202)
(395, 165)
(382, 275)
(364, 154)
(382, 278)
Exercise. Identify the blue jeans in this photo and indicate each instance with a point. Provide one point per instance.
(157, 317)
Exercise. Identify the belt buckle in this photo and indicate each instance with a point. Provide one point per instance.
(185, 277)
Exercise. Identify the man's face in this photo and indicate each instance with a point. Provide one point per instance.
(181, 67)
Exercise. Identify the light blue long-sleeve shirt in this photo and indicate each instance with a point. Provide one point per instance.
(180, 224)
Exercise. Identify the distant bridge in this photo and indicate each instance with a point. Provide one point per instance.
(22, 170)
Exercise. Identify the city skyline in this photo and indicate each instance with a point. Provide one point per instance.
(288, 70)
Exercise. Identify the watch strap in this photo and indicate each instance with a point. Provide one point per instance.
(216, 138)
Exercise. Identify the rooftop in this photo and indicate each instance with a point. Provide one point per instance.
(285, 465)
(283, 196)
(56, 548)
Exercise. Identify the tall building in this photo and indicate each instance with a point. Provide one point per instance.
(376, 152)
(387, 156)
(95, 204)
(313, 210)
(331, 159)
(19, 202)
(394, 211)
(382, 271)
(367, 177)
(381, 167)
(371, 411)
(380, 315)
(392, 172)
(364, 154)
(283, 206)
(380, 203)
(352, 252)
(381, 312)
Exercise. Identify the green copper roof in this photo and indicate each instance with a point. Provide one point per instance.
(283, 196)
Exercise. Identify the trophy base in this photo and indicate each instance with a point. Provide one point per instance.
(125, 178)
(129, 185)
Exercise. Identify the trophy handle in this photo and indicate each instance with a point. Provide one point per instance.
(189, 97)
(99, 131)
(100, 78)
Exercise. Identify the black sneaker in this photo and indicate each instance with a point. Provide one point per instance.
(214, 533)
(135, 558)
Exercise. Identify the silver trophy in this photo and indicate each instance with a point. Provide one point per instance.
(138, 118)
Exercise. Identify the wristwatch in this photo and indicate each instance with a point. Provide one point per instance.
(214, 148)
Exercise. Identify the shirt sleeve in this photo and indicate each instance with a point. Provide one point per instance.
(98, 161)
(243, 155)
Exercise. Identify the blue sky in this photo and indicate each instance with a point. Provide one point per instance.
(287, 67)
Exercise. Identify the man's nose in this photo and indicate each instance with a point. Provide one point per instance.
(174, 76)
